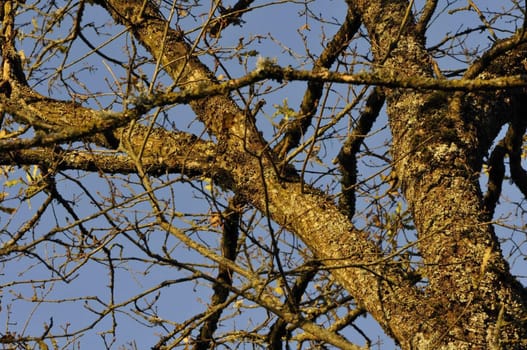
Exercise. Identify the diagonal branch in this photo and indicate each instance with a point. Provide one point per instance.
(231, 15)
(347, 157)
(428, 12)
(309, 104)
(229, 244)
(317, 221)
(279, 329)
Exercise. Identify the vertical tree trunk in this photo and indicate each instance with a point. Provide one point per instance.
(475, 303)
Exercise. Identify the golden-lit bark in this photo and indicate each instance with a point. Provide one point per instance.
(441, 131)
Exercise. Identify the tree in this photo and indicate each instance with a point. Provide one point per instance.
(141, 162)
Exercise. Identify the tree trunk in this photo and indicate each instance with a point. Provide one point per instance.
(470, 300)
(437, 146)
(467, 297)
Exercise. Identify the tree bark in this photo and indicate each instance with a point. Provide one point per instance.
(439, 142)
(467, 299)
(470, 300)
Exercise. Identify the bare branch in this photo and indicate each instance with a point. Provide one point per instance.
(311, 98)
(347, 157)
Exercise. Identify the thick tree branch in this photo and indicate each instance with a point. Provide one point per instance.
(428, 12)
(510, 145)
(515, 136)
(347, 157)
(454, 237)
(190, 159)
(318, 222)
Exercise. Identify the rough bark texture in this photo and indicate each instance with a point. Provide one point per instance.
(439, 148)
(469, 299)
(319, 222)
(474, 301)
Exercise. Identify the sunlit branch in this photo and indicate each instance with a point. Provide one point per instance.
(382, 77)
(190, 162)
(427, 14)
